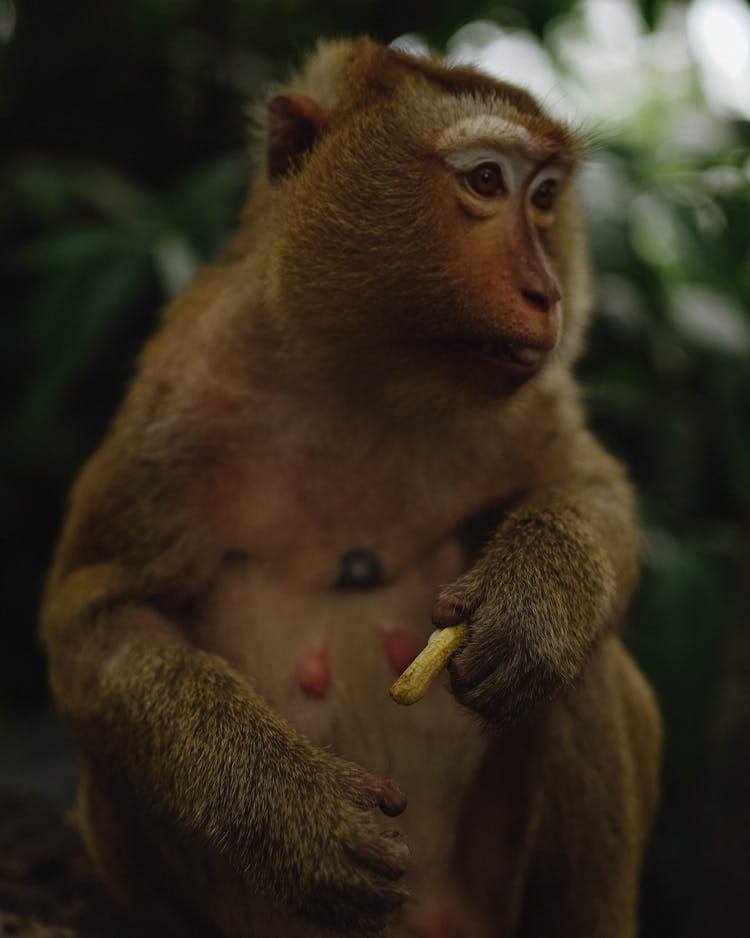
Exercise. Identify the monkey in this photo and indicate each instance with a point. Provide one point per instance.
(360, 423)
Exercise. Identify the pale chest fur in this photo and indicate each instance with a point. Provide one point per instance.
(334, 553)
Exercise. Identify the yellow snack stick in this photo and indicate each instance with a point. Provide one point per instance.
(413, 683)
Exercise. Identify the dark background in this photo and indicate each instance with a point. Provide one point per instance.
(123, 161)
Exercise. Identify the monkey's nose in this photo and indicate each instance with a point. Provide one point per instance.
(542, 296)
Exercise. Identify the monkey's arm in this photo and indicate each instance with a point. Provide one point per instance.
(192, 745)
(556, 573)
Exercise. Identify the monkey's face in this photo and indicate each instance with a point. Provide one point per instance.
(427, 232)
(499, 189)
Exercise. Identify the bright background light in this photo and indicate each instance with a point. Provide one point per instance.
(719, 35)
(606, 65)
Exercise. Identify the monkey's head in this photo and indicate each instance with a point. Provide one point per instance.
(424, 223)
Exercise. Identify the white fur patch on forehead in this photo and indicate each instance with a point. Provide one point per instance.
(323, 75)
(492, 130)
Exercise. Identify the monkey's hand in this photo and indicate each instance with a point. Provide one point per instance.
(297, 822)
(340, 870)
(559, 569)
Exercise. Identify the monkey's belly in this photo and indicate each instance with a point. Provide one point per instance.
(350, 642)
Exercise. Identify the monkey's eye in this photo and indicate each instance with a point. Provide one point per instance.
(486, 180)
(544, 197)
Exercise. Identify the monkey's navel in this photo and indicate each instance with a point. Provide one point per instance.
(359, 569)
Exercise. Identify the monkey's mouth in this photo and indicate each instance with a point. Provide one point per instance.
(521, 357)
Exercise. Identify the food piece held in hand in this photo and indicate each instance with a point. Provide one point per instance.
(413, 683)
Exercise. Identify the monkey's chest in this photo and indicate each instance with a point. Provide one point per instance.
(318, 649)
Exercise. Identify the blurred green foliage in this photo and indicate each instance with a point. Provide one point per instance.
(122, 168)
(675, 404)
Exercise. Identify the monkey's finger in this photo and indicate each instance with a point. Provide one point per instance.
(363, 901)
(501, 692)
(387, 854)
(384, 894)
(373, 905)
(382, 793)
(473, 691)
(413, 683)
(450, 608)
(471, 667)
(489, 653)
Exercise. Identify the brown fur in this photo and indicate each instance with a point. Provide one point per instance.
(307, 395)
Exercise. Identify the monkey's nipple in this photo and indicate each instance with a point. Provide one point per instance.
(400, 649)
(313, 672)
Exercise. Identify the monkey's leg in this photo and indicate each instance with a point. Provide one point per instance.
(127, 855)
(599, 790)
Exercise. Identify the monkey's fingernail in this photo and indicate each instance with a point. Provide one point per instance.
(399, 846)
(447, 611)
(392, 801)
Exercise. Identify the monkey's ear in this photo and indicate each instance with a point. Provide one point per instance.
(294, 123)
